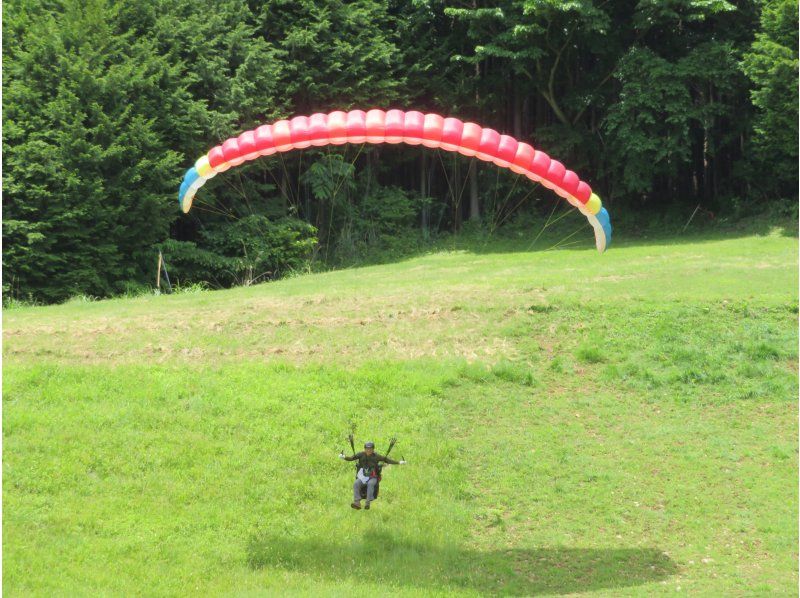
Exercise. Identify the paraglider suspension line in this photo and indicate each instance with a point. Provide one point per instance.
(272, 174)
(516, 207)
(290, 195)
(214, 210)
(496, 222)
(456, 199)
(243, 192)
(343, 177)
(561, 245)
(548, 222)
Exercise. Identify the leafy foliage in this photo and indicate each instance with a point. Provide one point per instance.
(86, 166)
(249, 250)
(330, 178)
(653, 120)
(772, 66)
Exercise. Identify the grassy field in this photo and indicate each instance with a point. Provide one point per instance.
(623, 424)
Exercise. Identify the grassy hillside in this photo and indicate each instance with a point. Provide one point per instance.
(623, 424)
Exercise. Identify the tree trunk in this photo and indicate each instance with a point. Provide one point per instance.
(424, 192)
(455, 188)
(526, 115)
(474, 209)
(708, 160)
(284, 187)
(368, 159)
(517, 112)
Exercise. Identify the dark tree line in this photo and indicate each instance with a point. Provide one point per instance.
(657, 103)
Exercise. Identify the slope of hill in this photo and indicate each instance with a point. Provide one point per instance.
(623, 423)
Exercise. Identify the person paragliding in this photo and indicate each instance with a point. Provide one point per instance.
(368, 471)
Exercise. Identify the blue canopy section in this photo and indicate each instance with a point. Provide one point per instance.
(605, 221)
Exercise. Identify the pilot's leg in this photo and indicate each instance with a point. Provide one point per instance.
(357, 494)
(371, 491)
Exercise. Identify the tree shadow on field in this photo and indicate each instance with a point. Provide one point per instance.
(565, 238)
(386, 559)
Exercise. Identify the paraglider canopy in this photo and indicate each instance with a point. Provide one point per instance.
(398, 126)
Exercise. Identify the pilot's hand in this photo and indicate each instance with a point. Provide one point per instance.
(341, 455)
(403, 462)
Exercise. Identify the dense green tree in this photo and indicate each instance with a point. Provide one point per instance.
(661, 103)
(87, 171)
(335, 53)
(772, 66)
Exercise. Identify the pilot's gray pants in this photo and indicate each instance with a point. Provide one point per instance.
(370, 489)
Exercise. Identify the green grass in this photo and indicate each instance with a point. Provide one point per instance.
(623, 424)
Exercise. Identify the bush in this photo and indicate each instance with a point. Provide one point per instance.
(250, 250)
(382, 225)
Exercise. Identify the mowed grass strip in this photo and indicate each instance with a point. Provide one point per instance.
(442, 305)
(618, 424)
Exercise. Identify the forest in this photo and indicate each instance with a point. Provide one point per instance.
(665, 106)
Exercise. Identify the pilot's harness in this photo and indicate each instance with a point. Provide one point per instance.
(375, 472)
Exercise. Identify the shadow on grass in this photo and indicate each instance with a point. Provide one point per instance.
(575, 235)
(584, 240)
(386, 559)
